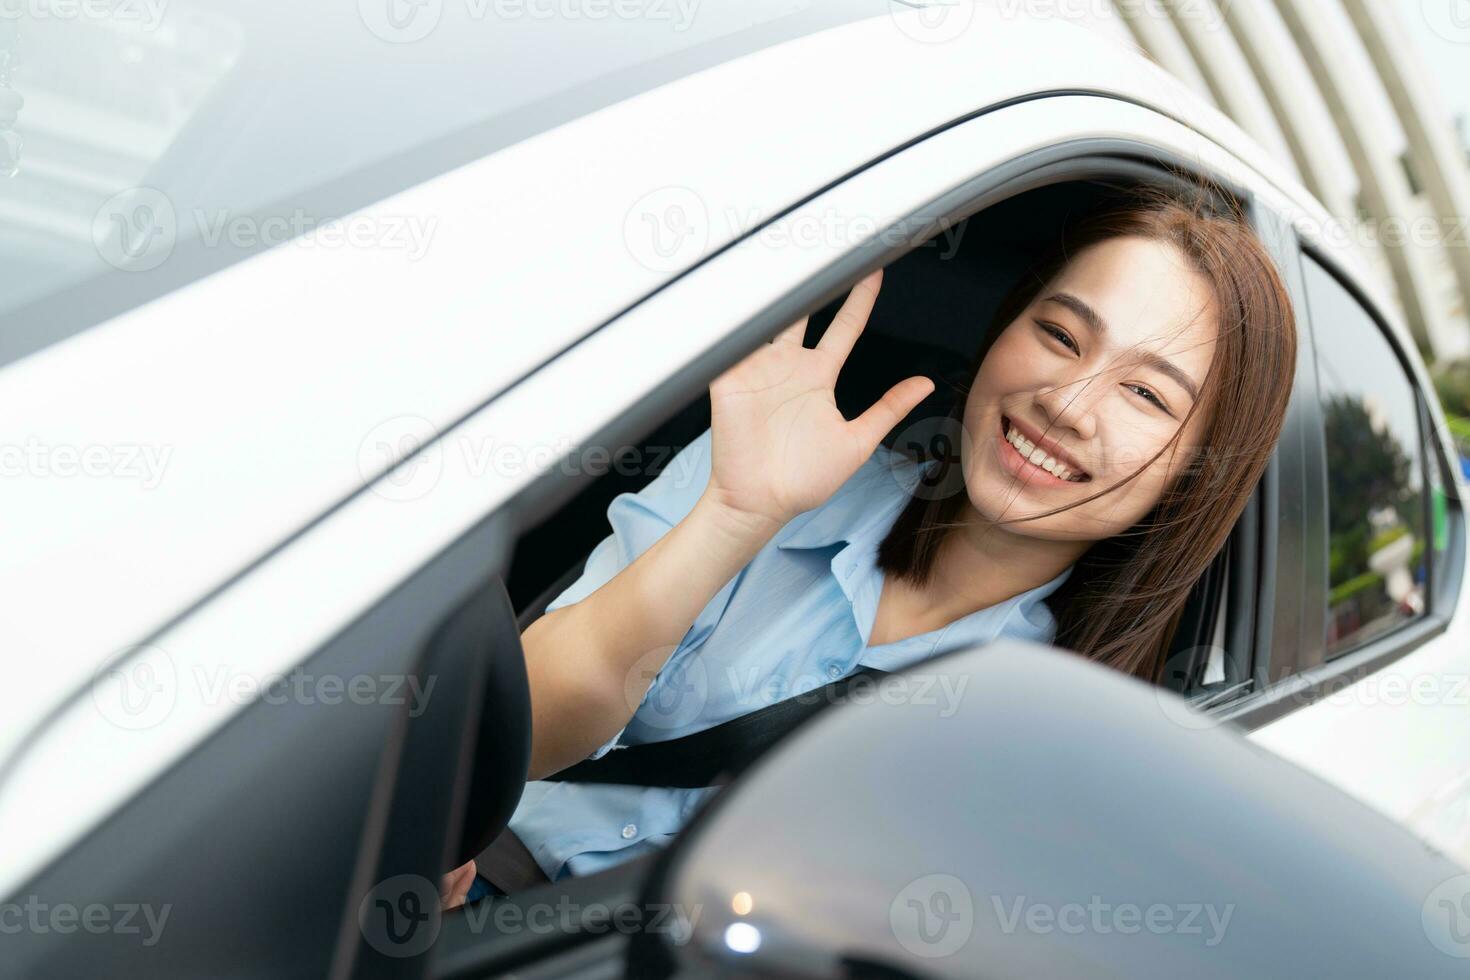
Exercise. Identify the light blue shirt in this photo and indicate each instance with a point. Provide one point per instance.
(797, 617)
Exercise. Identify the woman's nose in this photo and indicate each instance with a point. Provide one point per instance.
(1069, 406)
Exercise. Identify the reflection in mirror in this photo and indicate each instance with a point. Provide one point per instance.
(1377, 570)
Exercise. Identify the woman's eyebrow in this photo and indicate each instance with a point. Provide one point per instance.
(1099, 328)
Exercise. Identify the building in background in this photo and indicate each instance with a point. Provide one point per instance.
(1367, 101)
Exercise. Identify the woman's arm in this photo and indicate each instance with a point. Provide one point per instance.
(779, 447)
(590, 662)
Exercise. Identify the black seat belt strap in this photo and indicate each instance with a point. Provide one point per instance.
(714, 755)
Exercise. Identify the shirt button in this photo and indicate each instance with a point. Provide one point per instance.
(629, 830)
(834, 671)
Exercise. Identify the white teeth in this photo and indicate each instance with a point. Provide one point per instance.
(1029, 451)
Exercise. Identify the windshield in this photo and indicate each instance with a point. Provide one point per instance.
(145, 143)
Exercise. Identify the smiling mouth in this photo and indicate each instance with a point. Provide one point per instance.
(1075, 476)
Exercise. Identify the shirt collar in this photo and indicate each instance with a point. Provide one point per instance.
(863, 510)
(864, 506)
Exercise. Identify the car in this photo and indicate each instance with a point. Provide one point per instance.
(333, 397)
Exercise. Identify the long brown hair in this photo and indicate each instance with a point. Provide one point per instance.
(1122, 603)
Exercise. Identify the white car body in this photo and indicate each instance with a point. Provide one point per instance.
(270, 388)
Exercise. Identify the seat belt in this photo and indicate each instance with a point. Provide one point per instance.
(717, 754)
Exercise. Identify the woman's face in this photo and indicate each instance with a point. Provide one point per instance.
(1100, 371)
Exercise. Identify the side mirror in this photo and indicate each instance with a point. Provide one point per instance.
(1017, 811)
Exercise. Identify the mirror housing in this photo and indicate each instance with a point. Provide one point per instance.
(1018, 811)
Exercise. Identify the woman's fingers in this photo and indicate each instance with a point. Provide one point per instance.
(454, 886)
(794, 334)
(889, 410)
(848, 324)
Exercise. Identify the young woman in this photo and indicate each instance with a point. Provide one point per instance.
(1124, 404)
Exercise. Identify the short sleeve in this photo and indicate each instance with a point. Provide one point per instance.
(638, 520)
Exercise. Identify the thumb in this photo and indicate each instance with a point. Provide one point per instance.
(888, 411)
(455, 886)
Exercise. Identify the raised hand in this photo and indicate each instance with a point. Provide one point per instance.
(780, 445)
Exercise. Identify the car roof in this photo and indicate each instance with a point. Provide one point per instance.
(237, 410)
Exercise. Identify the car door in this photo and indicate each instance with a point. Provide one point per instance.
(416, 557)
(1374, 696)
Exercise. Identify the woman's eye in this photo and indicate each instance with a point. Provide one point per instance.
(1058, 333)
(1148, 394)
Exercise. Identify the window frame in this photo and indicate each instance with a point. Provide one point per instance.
(1065, 160)
(1007, 148)
(1294, 672)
